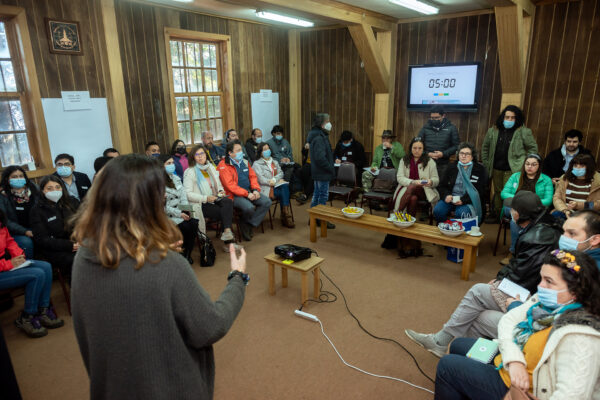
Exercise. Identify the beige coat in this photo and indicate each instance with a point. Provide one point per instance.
(195, 196)
(570, 364)
(429, 172)
(560, 194)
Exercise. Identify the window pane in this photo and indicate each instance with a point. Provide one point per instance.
(178, 82)
(192, 54)
(210, 80)
(14, 149)
(11, 116)
(198, 107)
(183, 109)
(10, 85)
(213, 56)
(214, 106)
(184, 131)
(194, 81)
(4, 53)
(219, 125)
(199, 127)
(206, 55)
(176, 55)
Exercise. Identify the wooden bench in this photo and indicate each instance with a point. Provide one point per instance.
(423, 232)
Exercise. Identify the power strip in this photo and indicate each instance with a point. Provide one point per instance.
(308, 316)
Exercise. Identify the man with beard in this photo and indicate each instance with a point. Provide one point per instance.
(558, 160)
(215, 153)
(440, 137)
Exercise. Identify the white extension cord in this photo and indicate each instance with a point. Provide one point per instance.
(312, 317)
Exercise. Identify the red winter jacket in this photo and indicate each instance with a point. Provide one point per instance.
(8, 243)
(229, 179)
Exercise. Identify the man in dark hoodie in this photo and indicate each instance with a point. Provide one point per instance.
(558, 160)
(481, 308)
(321, 160)
(440, 137)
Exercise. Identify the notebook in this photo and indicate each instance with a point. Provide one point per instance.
(512, 289)
(483, 350)
(23, 265)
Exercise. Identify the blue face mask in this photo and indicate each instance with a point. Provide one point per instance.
(156, 155)
(278, 137)
(170, 169)
(266, 154)
(462, 164)
(347, 144)
(64, 171)
(579, 172)
(508, 124)
(569, 244)
(239, 156)
(258, 140)
(17, 183)
(549, 297)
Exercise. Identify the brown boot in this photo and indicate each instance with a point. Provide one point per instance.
(286, 217)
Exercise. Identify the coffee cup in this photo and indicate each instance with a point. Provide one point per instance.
(475, 230)
(455, 199)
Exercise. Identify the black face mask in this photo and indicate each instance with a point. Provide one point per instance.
(435, 123)
(180, 150)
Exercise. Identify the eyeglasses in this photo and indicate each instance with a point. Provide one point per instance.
(67, 164)
(531, 164)
(199, 154)
(463, 154)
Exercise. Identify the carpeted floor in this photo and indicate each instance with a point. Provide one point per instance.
(272, 354)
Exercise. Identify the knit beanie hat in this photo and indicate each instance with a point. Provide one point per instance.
(527, 204)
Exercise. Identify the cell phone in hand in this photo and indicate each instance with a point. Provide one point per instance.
(424, 182)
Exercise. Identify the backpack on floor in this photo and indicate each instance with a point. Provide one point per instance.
(207, 251)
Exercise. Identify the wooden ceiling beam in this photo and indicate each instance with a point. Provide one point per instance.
(370, 54)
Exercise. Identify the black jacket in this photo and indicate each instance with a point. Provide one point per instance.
(479, 179)
(250, 148)
(554, 162)
(321, 156)
(537, 240)
(12, 220)
(355, 153)
(51, 231)
(443, 138)
(82, 182)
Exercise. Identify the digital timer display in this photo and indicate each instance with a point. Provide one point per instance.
(453, 85)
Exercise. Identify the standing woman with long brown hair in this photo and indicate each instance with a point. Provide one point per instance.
(144, 325)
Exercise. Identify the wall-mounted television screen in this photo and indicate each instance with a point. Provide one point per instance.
(454, 86)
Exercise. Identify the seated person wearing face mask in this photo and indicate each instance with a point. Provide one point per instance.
(19, 195)
(252, 144)
(180, 157)
(240, 184)
(77, 183)
(350, 150)
(481, 308)
(578, 188)
(152, 149)
(387, 155)
(282, 153)
(549, 346)
(52, 226)
(230, 136)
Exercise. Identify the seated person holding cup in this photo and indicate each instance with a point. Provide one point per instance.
(387, 155)
(462, 187)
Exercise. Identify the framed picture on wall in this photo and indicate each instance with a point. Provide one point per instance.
(64, 37)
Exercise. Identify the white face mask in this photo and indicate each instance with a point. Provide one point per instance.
(54, 195)
(327, 126)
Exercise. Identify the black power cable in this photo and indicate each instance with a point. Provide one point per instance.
(328, 300)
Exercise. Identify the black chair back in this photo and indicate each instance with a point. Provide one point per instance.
(387, 174)
(346, 174)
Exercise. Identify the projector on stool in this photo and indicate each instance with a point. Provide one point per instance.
(293, 252)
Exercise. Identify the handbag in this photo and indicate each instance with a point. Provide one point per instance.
(519, 394)
(207, 251)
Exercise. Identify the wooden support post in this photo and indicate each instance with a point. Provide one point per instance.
(384, 102)
(514, 36)
(370, 54)
(112, 68)
(295, 78)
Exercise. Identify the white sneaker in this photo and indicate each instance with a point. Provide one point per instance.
(426, 341)
(227, 236)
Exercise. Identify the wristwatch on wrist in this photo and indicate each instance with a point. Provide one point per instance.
(245, 277)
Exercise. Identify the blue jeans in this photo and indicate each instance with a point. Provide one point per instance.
(26, 244)
(443, 209)
(459, 377)
(253, 212)
(514, 230)
(283, 194)
(37, 279)
(320, 194)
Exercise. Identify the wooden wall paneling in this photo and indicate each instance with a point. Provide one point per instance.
(592, 127)
(487, 89)
(93, 62)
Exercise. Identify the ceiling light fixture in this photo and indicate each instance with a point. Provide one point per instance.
(283, 18)
(184, 1)
(417, 6)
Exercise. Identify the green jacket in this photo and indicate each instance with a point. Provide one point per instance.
(522, 144)
(544, 188)
(396, 155)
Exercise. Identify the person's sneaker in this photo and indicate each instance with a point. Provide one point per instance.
(301, 199)
(227, 236)
(426, 341)
(31, 325)
(48, 318)
(506, 260)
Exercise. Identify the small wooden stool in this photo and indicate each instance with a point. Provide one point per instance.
(304, 267)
